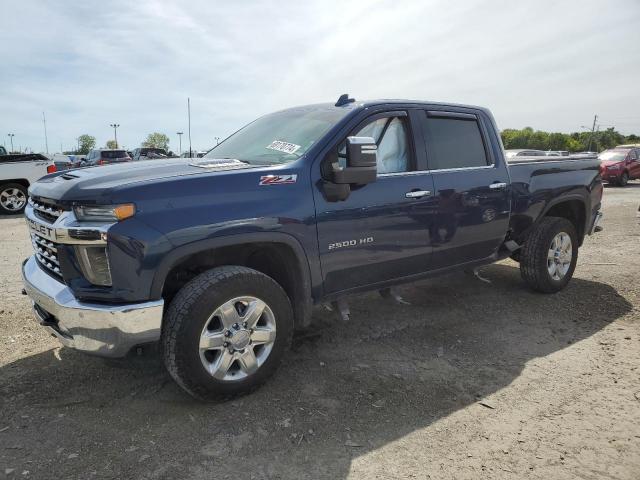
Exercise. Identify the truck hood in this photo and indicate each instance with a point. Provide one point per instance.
(93, 184)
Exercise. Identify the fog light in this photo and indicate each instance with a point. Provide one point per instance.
(94, 264)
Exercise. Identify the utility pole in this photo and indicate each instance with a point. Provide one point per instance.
(115, 132)
(11, 135)
(46, 142)
(180, 142)
(593, 129)
(189, 115)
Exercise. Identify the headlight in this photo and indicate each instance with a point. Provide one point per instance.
(94, 264)
(104, 213)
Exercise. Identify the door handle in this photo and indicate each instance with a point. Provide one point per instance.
(417, 193)
(498, 186)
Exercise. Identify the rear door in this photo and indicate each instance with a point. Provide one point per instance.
(471, 186)
(381, 231)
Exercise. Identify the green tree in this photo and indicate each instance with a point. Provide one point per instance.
(573, 142)
(111, 144)
(85, 143)
(156, 140)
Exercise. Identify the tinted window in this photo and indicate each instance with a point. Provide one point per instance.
(454, 143)
(114, 154)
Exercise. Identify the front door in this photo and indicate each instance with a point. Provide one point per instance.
(381, 231)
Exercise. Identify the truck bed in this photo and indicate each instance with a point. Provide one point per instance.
(538, 182)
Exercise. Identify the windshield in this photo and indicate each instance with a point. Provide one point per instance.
(615, 155)
(279, 137)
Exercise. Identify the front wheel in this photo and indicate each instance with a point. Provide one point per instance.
(226, 332)
(624, 179)
(13, 198)
(549, 255)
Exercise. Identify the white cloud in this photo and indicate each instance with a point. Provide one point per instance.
(547, 64)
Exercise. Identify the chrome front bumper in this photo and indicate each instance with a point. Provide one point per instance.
(98, 329)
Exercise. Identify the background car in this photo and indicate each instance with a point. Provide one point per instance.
(524, 153)
(148, 153)
(619, 165)
(193, 154)
(105, 156)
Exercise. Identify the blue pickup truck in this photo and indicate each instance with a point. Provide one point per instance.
(220, 258)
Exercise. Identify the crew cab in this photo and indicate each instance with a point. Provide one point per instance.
(219, 258)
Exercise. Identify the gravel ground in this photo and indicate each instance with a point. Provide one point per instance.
(471, 380)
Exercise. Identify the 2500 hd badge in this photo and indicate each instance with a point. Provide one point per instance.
(350, 243)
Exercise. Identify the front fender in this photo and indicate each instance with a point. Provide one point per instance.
(302, 305)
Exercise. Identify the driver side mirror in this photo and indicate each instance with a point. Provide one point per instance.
(361, 162)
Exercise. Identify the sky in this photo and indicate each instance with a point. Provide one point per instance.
(551, 65)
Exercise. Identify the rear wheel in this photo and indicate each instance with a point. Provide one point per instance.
(548, 257)
(226, 332)
(13, 198)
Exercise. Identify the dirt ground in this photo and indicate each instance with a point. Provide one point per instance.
(471, 380)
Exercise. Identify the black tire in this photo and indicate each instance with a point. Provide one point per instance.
(189, 313)
(624, 179)
(12, 187)
(534, 253)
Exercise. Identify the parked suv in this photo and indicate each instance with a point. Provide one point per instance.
(105, 157)
(619, 165)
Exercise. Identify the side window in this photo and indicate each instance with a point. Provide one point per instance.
(634, 154)
(454, 143)
(390, 134)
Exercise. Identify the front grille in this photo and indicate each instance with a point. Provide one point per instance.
(46, 254)
(44, 211)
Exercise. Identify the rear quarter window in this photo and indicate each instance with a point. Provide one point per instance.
(454, 143)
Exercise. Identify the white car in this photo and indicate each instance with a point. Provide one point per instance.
(17, 172)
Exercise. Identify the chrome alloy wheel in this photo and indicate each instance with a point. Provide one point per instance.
(237, 338)
(560, 256)
(13, 199)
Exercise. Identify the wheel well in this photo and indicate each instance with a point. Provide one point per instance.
(572, 210)
(22, 181)
(277, 260)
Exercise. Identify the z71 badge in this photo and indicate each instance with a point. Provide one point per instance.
(278, 179)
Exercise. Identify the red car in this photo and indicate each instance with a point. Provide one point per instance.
(619, 165)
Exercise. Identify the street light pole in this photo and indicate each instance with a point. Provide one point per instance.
(115, 132)
(11, 135)
(189, 115)
(217, 140)
(46, 142)
(180, 142)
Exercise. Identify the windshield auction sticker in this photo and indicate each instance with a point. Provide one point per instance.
(284, 147)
